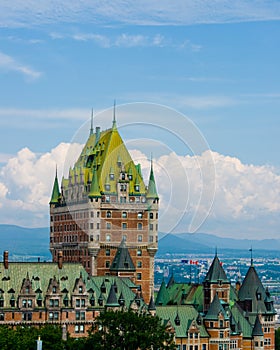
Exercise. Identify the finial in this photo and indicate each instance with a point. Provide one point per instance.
(114, 115)
(56, 170)
(216, 251)
(91, 123)
(251, 250)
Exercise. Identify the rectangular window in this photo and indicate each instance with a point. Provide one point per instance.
(108, 225)
(78, 303)
(98, 226)
(140, 238)
(107, 252)
(124, 214)
(151, 239)
(107, 264)
(140, 215)
(91, 226)
(139, 276)
(139, 264)
(124, 225)
(139, 252)
(151, 227)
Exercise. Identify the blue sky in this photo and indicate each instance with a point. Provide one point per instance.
(217, 62)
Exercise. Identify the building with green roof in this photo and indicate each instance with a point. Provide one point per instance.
(101, 203)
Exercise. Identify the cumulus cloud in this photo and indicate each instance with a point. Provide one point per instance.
(246, 202)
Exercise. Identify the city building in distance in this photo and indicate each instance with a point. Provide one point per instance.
(103, 215)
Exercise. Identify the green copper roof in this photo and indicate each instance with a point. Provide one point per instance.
(216, 272)
(186, 314)
(112, 300)
(163, 295)
(215, 309)
(122, 260)
(251, 285)
(55, 192)
(152, 190)
(257, 330)
(243, 325)
(94, 187)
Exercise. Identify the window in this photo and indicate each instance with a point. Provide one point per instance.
(108, 238)
(140, 215)
(139, 264)
(107, 264)
(151, 239)
(108, 225)
(12, 302)
(83, 302)
(204, 347)
(98, 226)
(91, 214)
(139, 276)
(140, 238)
(221, 323)
(139, 226)
(123, 176)
(80, 289)
(2, 316)
(151, 227)
(78, 303)
(24, 303)
(91, 226)
(124, 237)
(151, 215)
(107, 187)
(27, 316)
(139, 252)
(107, 199)
(79, 328)
(112, 176)
(211, 324)
(221, 334)
(124, 214)
(80, 315)
(108, 214)
(124, 225)
(1, 303)
(137, 188)
(54, 289)
(98, 214)
(107, 252)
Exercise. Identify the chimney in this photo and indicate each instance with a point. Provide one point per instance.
(6, 259)
(60, 259)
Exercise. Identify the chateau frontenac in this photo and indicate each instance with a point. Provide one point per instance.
(104, 215)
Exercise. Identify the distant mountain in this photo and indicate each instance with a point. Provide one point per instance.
(29, 243)
(25, 243)
(189, 241)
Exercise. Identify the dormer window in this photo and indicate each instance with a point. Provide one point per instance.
(112, 176)
(137, 188)
(123, 176)
(259, 296)
(107, 187)
(80, 289)
(54, 289)
(130, 177)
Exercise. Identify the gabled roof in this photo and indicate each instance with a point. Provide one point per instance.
(243, 324)
(215, 310)
(216, 272)
(122, 260)
(186, 314)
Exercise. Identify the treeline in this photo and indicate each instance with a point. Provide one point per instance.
(112, 330)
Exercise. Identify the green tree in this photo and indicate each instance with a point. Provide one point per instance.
(130, 331)
(277, 339)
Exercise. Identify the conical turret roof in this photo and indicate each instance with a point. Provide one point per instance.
(215, 309)
(55, 192)
(257, 330)
(216, 272)
(112, 300)
(122, 260)
(152, 190)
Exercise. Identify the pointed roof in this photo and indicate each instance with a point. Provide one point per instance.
(215, 309)
(55, 192)
(152, 190)
(94, 187)
(216, 272)
(151, 306)
(112, 300)
(251, 285)
(257, 330)
(122, 260)
(163, 295)
(171, 280)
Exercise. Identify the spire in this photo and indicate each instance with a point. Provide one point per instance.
(91, 123)
(94, 187)
(55, 192)
(251, 250)
(152, 190)
(151, 306)
(114, 127)
(215, 309)
(163, 295)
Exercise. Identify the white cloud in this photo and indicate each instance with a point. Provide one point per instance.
(145, 12)
(247, 197)
(8, 63)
